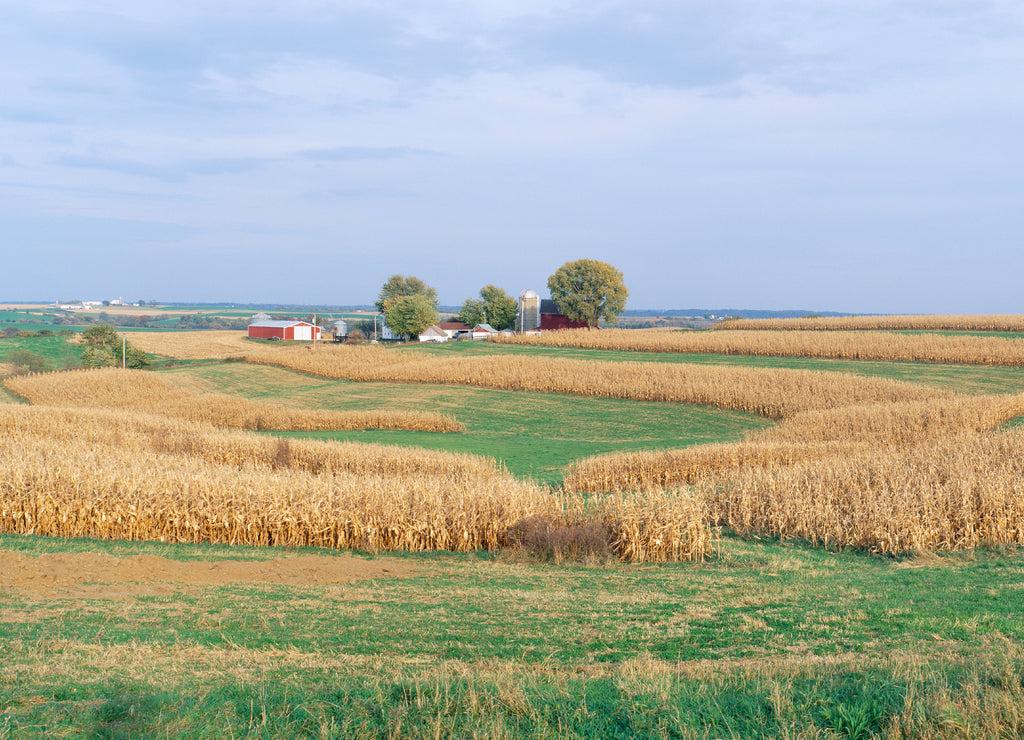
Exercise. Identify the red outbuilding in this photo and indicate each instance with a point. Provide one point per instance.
(296, 330)
(552, 319)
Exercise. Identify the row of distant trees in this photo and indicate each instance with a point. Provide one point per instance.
(584, 290)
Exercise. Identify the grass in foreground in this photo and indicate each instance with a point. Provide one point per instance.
(771, 640)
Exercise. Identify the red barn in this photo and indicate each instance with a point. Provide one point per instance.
(551, 318)
(300, 330)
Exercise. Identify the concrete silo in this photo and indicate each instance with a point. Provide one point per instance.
(529, 311)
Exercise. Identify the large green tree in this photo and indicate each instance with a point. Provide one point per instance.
(494, 307)
(410, 314)
(104, 347)
(400, 286)
(409, 305)
(588, 290)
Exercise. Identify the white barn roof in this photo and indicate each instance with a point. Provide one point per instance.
(279, 324)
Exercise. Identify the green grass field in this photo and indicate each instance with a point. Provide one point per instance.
(55, 350)
(770, 640)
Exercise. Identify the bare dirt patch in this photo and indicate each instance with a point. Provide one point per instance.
(62, 572)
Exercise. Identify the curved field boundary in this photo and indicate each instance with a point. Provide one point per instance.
(773, 393)
(812, 435)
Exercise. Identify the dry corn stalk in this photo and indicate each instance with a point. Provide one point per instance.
(104, 473)
(848, 345)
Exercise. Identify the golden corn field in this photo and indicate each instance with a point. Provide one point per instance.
(894, 478)
(140, 391)
(950, 493)
(112, 474)
(858, 462)
(1001, 323)
(812, 435)
(848, 345)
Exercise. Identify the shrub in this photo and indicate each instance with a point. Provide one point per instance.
(551, 540)
(26, 361)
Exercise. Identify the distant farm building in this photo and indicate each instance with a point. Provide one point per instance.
(454, 328)
(302, 331)
(535, 314)
(482, 331)
(433, 334)
(339, 330)
(551, 318)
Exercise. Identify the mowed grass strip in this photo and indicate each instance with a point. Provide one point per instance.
(534, 435)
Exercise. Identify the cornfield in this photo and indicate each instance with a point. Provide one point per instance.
(71, 472)
(1000, 323)
(146, 391)
(950, 493)
(854, 462)
(811, 435)
(847, 345)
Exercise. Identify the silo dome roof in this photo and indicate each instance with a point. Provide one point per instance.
(528, 294)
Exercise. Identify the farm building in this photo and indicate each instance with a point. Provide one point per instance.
(433, 334)
(482, 331)
(551, 318)
(454, 328)
(339, 330)
(298, 330)
(535, 313)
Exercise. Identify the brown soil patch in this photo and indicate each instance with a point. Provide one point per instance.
(74, 571)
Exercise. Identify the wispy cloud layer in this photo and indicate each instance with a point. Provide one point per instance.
(844, 155)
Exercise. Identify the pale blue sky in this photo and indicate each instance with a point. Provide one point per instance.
(813, 154)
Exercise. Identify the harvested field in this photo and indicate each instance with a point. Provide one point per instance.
(851, 345)
(90, 574)
(193, 345)
(143, 391)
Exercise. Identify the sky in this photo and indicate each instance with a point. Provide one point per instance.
(833, 155)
